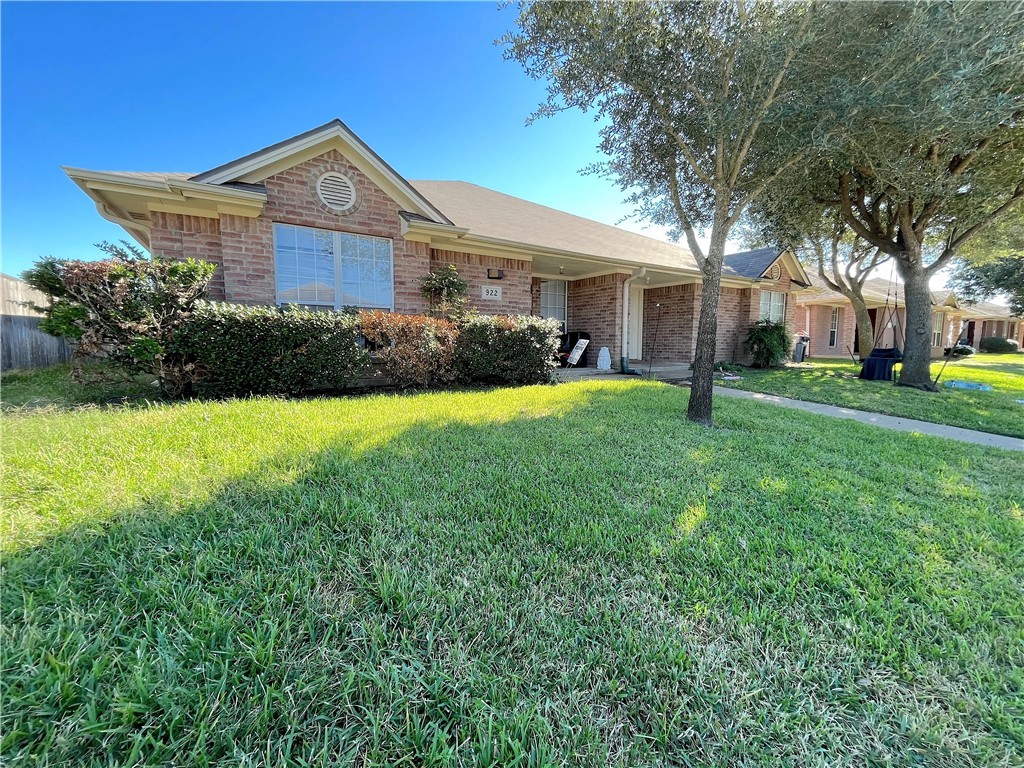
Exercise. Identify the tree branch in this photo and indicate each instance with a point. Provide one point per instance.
(846, 206)
(684, 220)
(750, 133)
(760, 188)
(954, 243)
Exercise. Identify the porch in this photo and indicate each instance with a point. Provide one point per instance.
(668, 371)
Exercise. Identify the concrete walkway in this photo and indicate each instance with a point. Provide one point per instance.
(880, 420)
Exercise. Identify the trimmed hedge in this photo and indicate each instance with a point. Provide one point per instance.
(240, 350)
(998, 344)
(412, 350)
(506, 350)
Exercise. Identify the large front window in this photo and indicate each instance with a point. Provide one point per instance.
(553, 301)
(334, 269)
(773, 306)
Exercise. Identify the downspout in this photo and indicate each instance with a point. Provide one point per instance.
(624, 363)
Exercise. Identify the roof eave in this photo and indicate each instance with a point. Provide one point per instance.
(454, 237)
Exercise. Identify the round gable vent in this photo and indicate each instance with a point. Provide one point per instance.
(336, 191)
(775, 272)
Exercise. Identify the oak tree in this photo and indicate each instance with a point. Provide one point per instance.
(694, 101)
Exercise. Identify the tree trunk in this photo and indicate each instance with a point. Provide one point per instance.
(865, 330)
(702, 385)
(917, 354)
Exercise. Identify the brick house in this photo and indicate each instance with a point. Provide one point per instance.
(321, 220)
(828, 318)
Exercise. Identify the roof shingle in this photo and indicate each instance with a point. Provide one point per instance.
(496, 215)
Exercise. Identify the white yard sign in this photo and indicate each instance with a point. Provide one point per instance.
(490, 293)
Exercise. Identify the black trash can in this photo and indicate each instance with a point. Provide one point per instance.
(568, 342)
(800, 350)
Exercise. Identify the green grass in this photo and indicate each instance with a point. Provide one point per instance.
(835, 382)
(568, 575)
(52, 388)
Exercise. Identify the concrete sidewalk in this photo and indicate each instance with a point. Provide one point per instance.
(881, 420)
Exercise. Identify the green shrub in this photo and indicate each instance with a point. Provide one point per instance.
(125, 309)
(962, 350)
(445, 291)
(507, 350)
(768, 343)
(412, 350)
(239, 350)
(998, 344)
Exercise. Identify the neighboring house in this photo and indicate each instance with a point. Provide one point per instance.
(321, 220)
(985, 319)
(830, 321)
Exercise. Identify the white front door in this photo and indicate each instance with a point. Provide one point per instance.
(636, 323)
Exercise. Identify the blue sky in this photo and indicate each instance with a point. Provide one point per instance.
(188, 86)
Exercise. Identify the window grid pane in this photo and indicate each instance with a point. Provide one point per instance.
(320, 266)
(553, 301)
(773, 306)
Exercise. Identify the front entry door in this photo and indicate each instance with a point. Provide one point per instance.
(636, 323)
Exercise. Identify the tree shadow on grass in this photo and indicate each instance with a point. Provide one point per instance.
(583, 586)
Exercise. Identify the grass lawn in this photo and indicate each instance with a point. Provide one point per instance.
(52, 388)
(835, 382)
(566, 575)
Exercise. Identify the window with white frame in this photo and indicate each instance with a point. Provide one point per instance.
(833, 327)
(773, 306)
(937, 323)
(334, 269)
(553, 301)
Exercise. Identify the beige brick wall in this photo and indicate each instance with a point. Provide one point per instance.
(292, 199)
(248, 258)
(516, 286)
(677, 331)
(734, 318)
(175, 236)
(738, 309)
(595, 306)
(818, 328)
(243, 247)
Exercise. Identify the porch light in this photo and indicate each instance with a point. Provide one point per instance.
(495, 274)
(561, 270)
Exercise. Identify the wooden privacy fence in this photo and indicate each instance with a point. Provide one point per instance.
(22, 344)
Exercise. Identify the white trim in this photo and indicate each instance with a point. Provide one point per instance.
(624, 337)
(637, 319)
(253, 164)
(574, 278)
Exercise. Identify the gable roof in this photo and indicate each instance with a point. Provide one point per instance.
(450, 213)
(875, 290)
(257, 165)
(986, 309)
(878, 289)
(485, 212)
(751, 263)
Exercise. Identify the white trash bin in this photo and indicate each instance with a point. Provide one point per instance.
(604, 360)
